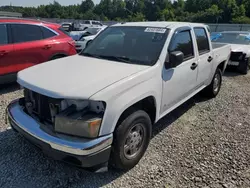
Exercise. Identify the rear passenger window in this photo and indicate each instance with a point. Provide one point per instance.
(47, 33)
(26, 33)
(182, 41)
(3, 34)
(202, 40)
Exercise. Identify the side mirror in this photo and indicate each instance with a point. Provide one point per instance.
(175, 59)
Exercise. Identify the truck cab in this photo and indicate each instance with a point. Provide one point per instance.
(102, 105)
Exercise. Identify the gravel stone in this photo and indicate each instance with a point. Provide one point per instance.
(203, 143)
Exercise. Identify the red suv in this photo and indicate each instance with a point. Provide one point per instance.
(24, 43)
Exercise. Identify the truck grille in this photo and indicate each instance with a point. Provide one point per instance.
(237, 56)
(41, 105)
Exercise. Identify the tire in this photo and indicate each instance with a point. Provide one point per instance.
(57, 57)
(122, 158)
(212, 90)
(244, 67)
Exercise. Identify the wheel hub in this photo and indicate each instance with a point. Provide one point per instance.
(216, 84)
(133, 141)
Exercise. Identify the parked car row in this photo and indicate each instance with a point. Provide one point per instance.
(102, 104)
(68, 26)
(24, 43)
(77, 35)
(87, 37)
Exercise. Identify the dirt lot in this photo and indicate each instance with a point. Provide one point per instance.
(201, 144)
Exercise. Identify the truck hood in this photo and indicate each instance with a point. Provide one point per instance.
(241, 48)
(75, 77)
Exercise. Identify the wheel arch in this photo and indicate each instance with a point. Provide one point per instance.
(61, 54)
(117, 111)
(147, 104)
(222, 66)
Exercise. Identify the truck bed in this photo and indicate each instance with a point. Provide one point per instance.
(222, 52)
(218, 45)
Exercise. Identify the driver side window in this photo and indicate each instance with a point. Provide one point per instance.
(182, 41)
(115, 39)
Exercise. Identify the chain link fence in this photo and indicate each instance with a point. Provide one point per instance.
(213, 27)
(229, 27)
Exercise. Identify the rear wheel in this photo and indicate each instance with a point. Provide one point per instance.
(57, 57)
(131, 139)
(213, 89)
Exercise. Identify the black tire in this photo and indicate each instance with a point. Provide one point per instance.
(244, 67)
(57, 57)
(211, 91)
(118, 157)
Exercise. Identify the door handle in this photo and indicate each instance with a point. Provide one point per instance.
(193, 66)
(210, 59)
(46, 47)
(2, 53)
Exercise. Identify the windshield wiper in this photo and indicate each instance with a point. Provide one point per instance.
(90, 55)
(116, 58)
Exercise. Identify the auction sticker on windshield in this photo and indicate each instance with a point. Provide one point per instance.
(155, 30)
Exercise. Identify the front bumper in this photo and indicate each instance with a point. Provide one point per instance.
(77, 151)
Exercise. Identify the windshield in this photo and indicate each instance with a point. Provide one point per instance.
(233, 38)
(137, 45)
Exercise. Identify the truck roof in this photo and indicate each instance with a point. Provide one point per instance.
(164, 24)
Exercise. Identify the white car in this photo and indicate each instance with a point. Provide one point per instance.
(90, 23)
(99, 108)
(240, 43)
(88, 36)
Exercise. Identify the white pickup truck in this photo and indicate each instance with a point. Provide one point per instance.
(98, 108)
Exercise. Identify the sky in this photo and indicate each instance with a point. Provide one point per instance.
(28, 3)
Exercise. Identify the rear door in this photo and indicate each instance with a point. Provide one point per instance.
(205, 59)
(50, 43)
(29, 45)
(6, 51)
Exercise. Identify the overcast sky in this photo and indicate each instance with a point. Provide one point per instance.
(39, 2)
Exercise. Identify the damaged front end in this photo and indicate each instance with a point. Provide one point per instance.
(80, 118)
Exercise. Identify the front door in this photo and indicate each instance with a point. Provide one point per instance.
(28, 45)
(179, 82)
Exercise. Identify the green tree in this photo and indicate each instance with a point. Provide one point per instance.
(87, 5)
(209, 11)
(137, 17)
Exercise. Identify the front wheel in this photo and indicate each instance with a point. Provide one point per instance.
(213, 89)
(131, 139)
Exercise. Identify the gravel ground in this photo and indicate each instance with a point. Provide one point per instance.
(201, 144)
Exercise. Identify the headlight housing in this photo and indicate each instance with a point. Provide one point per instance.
(80, 118)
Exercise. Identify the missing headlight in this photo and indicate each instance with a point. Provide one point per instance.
(81, 120)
